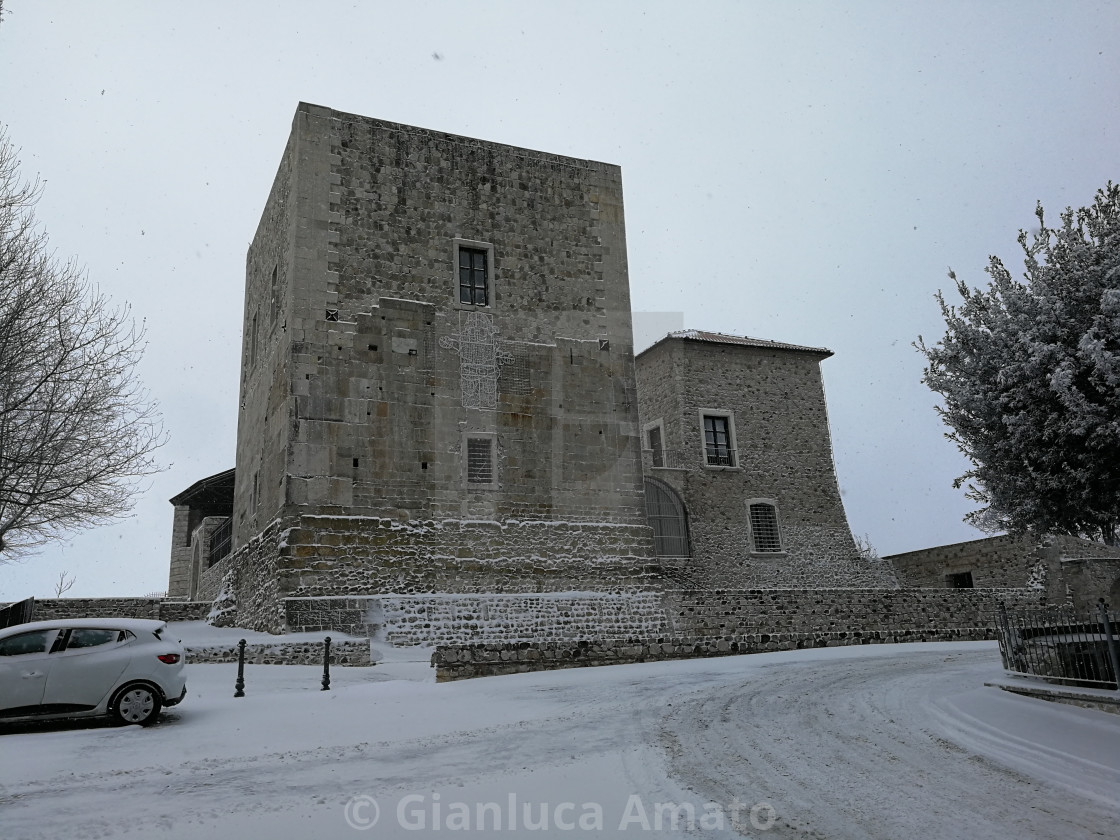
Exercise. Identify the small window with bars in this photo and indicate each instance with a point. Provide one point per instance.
(765, 536)
(480, 460)
(718, 449)
(474, 276)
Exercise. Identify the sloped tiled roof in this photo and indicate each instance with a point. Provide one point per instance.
(743, 341)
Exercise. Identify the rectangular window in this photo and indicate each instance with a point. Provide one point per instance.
(717, 441)
(960, 580)
(658, 453)
(480, 460)
(764, 528)
(474, 276)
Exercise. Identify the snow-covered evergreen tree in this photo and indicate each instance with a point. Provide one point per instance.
(1029, 373)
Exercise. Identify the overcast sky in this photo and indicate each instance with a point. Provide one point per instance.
(806, 172)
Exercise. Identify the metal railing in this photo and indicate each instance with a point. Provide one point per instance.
(1061, 644)
(688, 459)
(221, 541)
(668, 459)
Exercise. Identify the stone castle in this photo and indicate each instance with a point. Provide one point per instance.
(444, 433)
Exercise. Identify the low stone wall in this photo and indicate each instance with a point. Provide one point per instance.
(458, 662)
(51, 609)
(731, 614)
(703, 623)
(461, 619)
(344, 653)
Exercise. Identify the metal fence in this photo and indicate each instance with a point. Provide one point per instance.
(20, 612)
(1062, 645)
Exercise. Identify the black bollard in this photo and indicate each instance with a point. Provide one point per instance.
(327, 664)
(239, 686)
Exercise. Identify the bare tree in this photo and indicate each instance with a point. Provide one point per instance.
(63, 583)
(77, 430)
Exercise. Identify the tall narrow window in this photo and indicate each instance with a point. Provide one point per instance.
(480, 460)
(765, 536)
(474, 276)
(717, 441)
(658, 452)
(666, 516)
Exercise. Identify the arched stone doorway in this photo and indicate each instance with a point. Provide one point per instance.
(666, 514)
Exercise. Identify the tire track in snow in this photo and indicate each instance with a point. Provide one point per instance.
(855, 749)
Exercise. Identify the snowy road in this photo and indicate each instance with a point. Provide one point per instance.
(905, 747)
(890, 742)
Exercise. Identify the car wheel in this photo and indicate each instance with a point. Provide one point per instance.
(136, 704)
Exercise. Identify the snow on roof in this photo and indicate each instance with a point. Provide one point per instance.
(743, 341)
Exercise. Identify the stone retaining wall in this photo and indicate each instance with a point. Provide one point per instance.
(457, 662)
(470, 618)
(705, 623)
(733, 613)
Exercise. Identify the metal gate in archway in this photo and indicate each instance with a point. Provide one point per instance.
(666, 515)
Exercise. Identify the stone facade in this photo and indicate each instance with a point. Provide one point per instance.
(1068, 570)
(768, 398)
(368, 385)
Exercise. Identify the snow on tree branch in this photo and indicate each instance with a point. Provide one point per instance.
(77, 429)
(1029, 373)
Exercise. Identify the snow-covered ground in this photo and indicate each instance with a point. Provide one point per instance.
(891, 742)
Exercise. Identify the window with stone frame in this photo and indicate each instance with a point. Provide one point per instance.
(766, 536)
(719, 445)
(480, 461)
(474, 276)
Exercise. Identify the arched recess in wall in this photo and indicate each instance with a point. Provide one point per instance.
(667, 516)
(1114, 595)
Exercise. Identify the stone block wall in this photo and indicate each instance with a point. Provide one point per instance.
(1067, 569)
(251, 574)
(363, 373)
(344, 653)
(775, 399)
(994, 561)
(735, 613)
(457, 662)
(51, 609)
(348, 555)
(703, 623)
(1088, 579)
(404, 620)
(210, 581)
(179, 575)
(541, 618)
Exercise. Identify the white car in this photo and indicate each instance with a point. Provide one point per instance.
(127, 668)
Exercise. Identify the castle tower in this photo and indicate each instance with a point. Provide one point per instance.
(438, 388)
